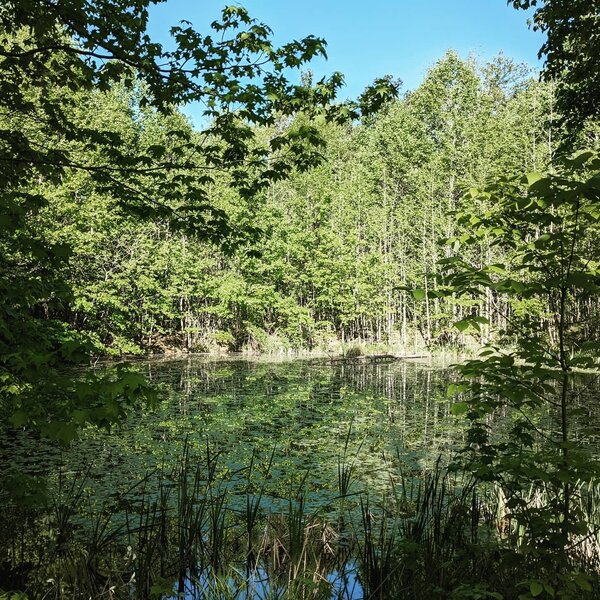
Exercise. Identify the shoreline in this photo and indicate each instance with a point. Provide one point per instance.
(322, 358)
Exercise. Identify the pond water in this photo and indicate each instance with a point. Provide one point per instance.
(271, 435)
(304, 412)
(261, 479)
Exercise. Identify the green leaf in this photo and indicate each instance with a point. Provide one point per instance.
(532, 177)
(456, 388)
(459, 408)
(536, 588)
(464, 324)
(583, 582)
(19, 418)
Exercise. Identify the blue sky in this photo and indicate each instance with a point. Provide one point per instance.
(366, 40)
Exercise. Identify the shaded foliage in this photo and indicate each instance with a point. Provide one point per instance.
(571, 54)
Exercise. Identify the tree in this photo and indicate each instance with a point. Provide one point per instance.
(571, 54)
(537, 370)
(58, 60)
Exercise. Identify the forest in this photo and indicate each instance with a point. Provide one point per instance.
(206, 330)
(337, 246)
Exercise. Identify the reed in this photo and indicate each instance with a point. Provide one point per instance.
(189, 533)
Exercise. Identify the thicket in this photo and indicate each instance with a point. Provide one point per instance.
(88, 114)
(339, 247)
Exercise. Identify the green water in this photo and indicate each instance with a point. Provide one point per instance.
(258, 479)
(296, 422)
(304, 411)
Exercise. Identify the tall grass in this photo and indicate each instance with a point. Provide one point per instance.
(433, 534)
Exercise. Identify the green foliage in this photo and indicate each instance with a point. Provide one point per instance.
(289, 222)
(340, 246)
(547, 226)
(570, 49)
(91, 142)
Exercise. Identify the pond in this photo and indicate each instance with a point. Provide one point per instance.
(248, 478)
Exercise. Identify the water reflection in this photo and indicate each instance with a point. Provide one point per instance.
(342, 585)
(231, 440)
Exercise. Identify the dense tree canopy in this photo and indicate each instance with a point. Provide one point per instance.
(571, 51)
(339, 244)
(82, 85)
(55, 52)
